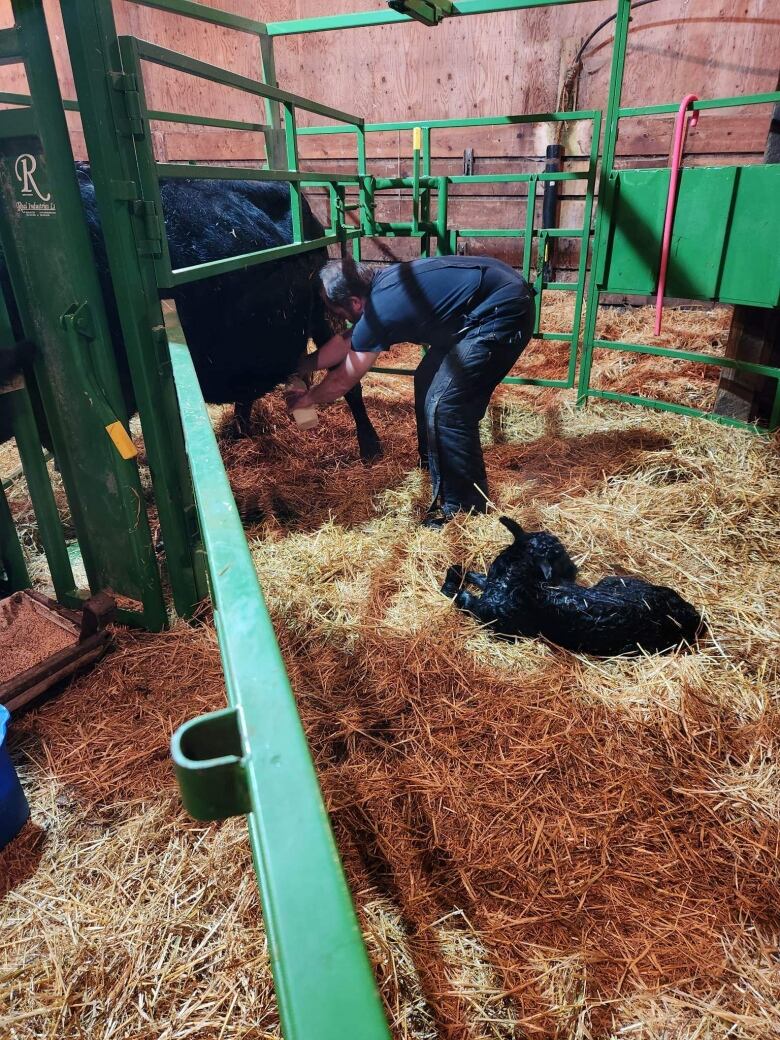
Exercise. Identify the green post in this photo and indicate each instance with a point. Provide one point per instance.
(274, 146)
(113, 140)
(604, 208)
(291, 146)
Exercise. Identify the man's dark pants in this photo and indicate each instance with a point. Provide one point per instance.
(453, 385)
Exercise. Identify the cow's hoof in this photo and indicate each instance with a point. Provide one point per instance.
(371, 451)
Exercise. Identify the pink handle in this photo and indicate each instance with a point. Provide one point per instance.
(680, 130)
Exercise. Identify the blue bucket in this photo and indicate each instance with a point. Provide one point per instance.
(14, 809)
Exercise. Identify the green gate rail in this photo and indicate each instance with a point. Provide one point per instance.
(253, 758)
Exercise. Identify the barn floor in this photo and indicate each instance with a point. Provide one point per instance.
(539, 844)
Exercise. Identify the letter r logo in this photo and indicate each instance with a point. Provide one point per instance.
(25, 167)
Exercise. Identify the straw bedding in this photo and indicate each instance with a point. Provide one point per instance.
(539, 844)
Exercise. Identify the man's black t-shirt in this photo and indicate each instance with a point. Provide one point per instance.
(433, 300)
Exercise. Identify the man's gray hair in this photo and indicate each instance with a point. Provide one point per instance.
(344, 278)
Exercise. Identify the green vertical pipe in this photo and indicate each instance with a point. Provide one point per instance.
(273, 146)
(605, 202)
(425, 241)
(291, 149)
(582, 270)
(528, 241)
(443, 245)
(417, 146)
(11, 556)
(42, 496)
(28, 443)
(94, 53)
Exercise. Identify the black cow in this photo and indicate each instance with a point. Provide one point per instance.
(247, 329)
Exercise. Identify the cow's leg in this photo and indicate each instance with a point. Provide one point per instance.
(242, 417)
(480, 580)
(368, 439)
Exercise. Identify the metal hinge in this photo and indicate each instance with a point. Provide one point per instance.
(150, 243)
(127, 85)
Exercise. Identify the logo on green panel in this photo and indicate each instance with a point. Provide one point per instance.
(33, 203)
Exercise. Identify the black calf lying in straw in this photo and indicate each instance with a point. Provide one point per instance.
(530, 590)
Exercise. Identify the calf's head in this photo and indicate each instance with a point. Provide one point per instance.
(541, 553)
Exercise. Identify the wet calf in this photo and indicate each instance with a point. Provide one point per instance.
(530, 590)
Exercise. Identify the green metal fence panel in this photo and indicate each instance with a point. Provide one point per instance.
(724, 244)
(750, 271)
(255, 759)
(51, 265)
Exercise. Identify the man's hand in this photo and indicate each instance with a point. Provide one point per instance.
(298, 399)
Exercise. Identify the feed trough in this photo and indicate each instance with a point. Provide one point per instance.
(42, 643)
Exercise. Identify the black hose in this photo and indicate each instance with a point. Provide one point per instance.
(578, 57)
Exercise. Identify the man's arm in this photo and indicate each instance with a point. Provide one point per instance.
(337, 382)
(329, 355)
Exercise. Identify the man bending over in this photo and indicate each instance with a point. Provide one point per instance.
(475, 313)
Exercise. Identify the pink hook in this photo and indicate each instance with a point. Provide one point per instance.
(680, 130)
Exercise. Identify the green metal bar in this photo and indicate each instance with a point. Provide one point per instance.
(14, 99)
(520, 381)
(249, 173)
(274, 146)
(181, 63)
(12, 563)
(679, 409)
(769, 97)
(28, 443)
(774, 418)
(184, 275)
(582, 271)
(443, 243)
(366, 198)
(416, 150)
(225, 124)
(485, 178)
(39, 486)
(580, 115)
(529, 227)
(11, 48)
(362, 19)
(606, 190)
(324, 982)
(520, 232)
(425, 214)
(205, 14)
(291, 151)
(518, 178)
(689, 355)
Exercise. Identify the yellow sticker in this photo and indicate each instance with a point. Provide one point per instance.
(121, 439)
(417, 138)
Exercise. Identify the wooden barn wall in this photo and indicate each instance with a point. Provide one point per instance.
(477, 66)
